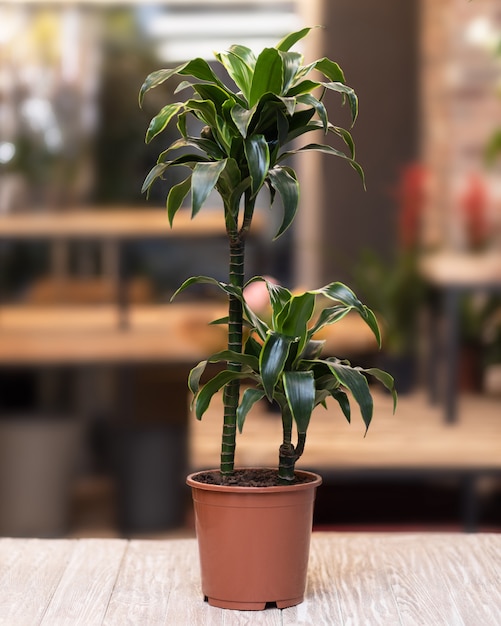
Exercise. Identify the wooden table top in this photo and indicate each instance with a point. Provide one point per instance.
(461, 269)
(387, 579)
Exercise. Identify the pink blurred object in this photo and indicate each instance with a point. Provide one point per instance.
(473, 205)
(256, 294)
(411, 196)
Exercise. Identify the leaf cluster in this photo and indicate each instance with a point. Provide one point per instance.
(246, 133)
(283, 360)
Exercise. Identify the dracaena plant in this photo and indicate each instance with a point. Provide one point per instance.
(243, 135)
(284, 362)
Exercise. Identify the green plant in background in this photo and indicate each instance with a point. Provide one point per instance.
(242, 147)
(493, 148)
(395, 290)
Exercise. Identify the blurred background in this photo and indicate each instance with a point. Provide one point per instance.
(96, 435)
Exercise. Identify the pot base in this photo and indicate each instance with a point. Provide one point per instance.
(252, 606)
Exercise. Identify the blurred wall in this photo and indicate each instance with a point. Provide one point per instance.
(376, 45)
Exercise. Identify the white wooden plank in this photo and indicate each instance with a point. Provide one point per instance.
(472, 570)
(159, 583)
(87, 582)
(151, 572)
(433, 580)
(354, 579)
(419, 587)
(321, 604)
(347, 584)
(30, 571)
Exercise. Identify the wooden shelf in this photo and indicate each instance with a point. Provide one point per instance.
(92, 334)
(115, 224)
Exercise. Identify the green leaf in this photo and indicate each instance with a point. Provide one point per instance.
(155, 172)
(214, 385)
(303, 87)
(349, 93)
(239, 63)
(341, 293)
(258, 160)
(182, 142)
(242, 118)
(187, 160)
(207, 280)
(317, 147)
(181, 123)
(343, 401)
(346, 137)
(272, 360)
(245, 54)
(214, 93)
(256, 322)
(357, 384)
(290, 104)
(300, 393)
(283, 181)
(371, 321)
(223, 321)
(230, 356)
(387, 380)
(293, 319)
(252, 347)
(291, 63)
(203, 181)
(161, 120)
(198, 68)
(176, 196)
(289, 40)
(330, 69)
(195, 376)
(185, 84)
(268, 75)
(157, 78)
(330, 315)
(249, 399)
(312, 349)
(230, 178)
(204, 110)
(279, 296)
(224, 133)
(301, 130)
(311, 101)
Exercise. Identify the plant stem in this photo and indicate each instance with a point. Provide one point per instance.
(288, 453)
(232, 389)
(231, 393)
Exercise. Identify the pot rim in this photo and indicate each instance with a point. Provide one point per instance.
(316, 481)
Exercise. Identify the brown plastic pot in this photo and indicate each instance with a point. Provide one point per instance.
(254, 542)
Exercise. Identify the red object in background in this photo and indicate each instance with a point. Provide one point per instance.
(411, 195)
(473, 204)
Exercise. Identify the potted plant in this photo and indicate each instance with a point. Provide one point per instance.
(242, 147)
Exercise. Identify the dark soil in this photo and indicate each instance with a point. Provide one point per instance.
(247, 478)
